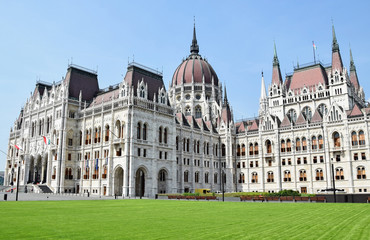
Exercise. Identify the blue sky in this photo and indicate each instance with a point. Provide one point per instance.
(39, 38)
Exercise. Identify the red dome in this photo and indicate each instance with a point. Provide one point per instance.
(193, 70)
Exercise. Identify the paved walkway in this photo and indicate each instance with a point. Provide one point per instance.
(49, 197)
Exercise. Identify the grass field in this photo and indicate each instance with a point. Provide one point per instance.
(161, 219)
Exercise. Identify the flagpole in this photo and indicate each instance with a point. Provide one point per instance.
(314, 55)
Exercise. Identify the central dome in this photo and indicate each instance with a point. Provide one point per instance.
(194, 69)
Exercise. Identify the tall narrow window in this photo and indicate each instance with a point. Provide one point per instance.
(138, 130)
(304, 144)
(288, 145)
(165, 135)
(160, 134)
(314, 143)
(298, 145)
(354, 138)
(321, 142)
(336, 138)
(361, 137)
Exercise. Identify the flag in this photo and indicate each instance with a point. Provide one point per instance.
(97, 165)
(314, 46)
(46, 140)
(18, 147)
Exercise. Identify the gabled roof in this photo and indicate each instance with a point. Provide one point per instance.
(308, 77)
(316, 117)
(355, 111)
(301, 119)
(240, 127)
(286, 122)
(107, 96)
(254, 125)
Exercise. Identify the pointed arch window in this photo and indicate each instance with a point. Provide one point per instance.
(302, 176)
(319, 175)
(198, 112)
(256, 149)
(304, 144)
(307, 113)
(251, 149)
(314, 143)
(270, 176)
(138, 130)
(107, 133)
(186, 176)
(160, 134)
(321, 142)
(241, 178)
(243, 149)
(288, 145)
(215, 175)
(361, 174)
(292, 115)
(145, 129)
(298, 144)
(336, 138)
(268, 146)
(361, 135)
(339, 174)
(254, 177)
(282, 146)
(354, 138)
(165, 133)
(287, 176)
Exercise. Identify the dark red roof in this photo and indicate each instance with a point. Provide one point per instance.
(285, 122)
(78, 80)
(336, 61)
(356, 111)
(309, 77)
(276, 75)
(194, 69)
(316, 117)
(135, 73)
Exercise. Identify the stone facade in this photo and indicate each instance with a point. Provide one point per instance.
(138, 139)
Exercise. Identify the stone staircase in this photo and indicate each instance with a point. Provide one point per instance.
(45, 189)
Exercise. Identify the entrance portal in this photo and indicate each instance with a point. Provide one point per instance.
(118, 181)
(140, 183)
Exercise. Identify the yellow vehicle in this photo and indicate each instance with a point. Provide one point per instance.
(202, 190)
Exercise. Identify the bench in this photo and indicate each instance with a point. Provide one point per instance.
(318, 199)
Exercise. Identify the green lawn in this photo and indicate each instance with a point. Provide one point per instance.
(173, 219)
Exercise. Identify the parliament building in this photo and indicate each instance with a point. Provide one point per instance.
(138, 138)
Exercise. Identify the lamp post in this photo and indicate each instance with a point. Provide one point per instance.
(333, 179)
(16, 196)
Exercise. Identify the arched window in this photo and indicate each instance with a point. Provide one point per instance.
(254, 177)
(79, 173)
(319, 175)
(304, 144)
(282, 147)
(198, 146)
(243, 149)
(270, 177)
(292, 115)
(162, 176)
(80, 138)
(198, 112)
(256, 149)
(138, 130)
(322, 109)
(118, 129)
(336, 138)
(107, 133)
(354, 138)
(287, 176)
(288, 145)
(215, 175)
(196, 177)
(206, 177)
(238, 150)
(307, 113)
(186, 176)
(142, 92)
(251, 149)
(223, 150)
(160, 134)
(187, 111)
(339, 174)
(145, 129)
(165, 135)
(361, 174)
(268, 146)
(361, 137)
(302, 176)
(177, 142)
(314, 143)
(96, 135)
(241, 178)
(321, 142)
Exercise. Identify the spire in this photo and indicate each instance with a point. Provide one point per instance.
(335, 46)
(263, 89)
(225, 98)
(194, 48)
(275, 60)
(276, 74)
(352, 63)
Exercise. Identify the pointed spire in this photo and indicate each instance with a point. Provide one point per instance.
(263, 89)
(352, 63)
(275, 60)
(225, 98)
(335, 46)
(194, 48)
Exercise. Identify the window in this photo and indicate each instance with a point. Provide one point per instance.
(165, 136)
(319, 175)
(292, 115)
(288, 145)
(339, 174)
(198, 112)
(287, 176)
(298, 144)
(298, 161)
(307, 113)
(215, 178)
(243, 150)
(282, 146)
(254, 177)
(138, 131)
(314, 143)
(69, 156)
(363, 156)
(336, 138)
(223, 150)
(241, 178)
(321, 159)
(238, 150)
(361, 173)
(302, 175)
(142, 92)
(251, 149)
(322, 109)
(187, 111)
(107, 133)
(304, 144)
(186, 176)
(196, 177)
(256, 149)
(177, 143)
(354, 138)
(321, 142)
(270, 177)
(362, 137)
(160, 134)
(268, 146)
(314, 159)
(145, 127)
(355, 156)
(283, 162)
(162, 176)
(206, 177)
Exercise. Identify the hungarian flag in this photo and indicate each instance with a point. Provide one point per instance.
(97, 164)
(314, 46)
(18, 147)
(46, 140)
